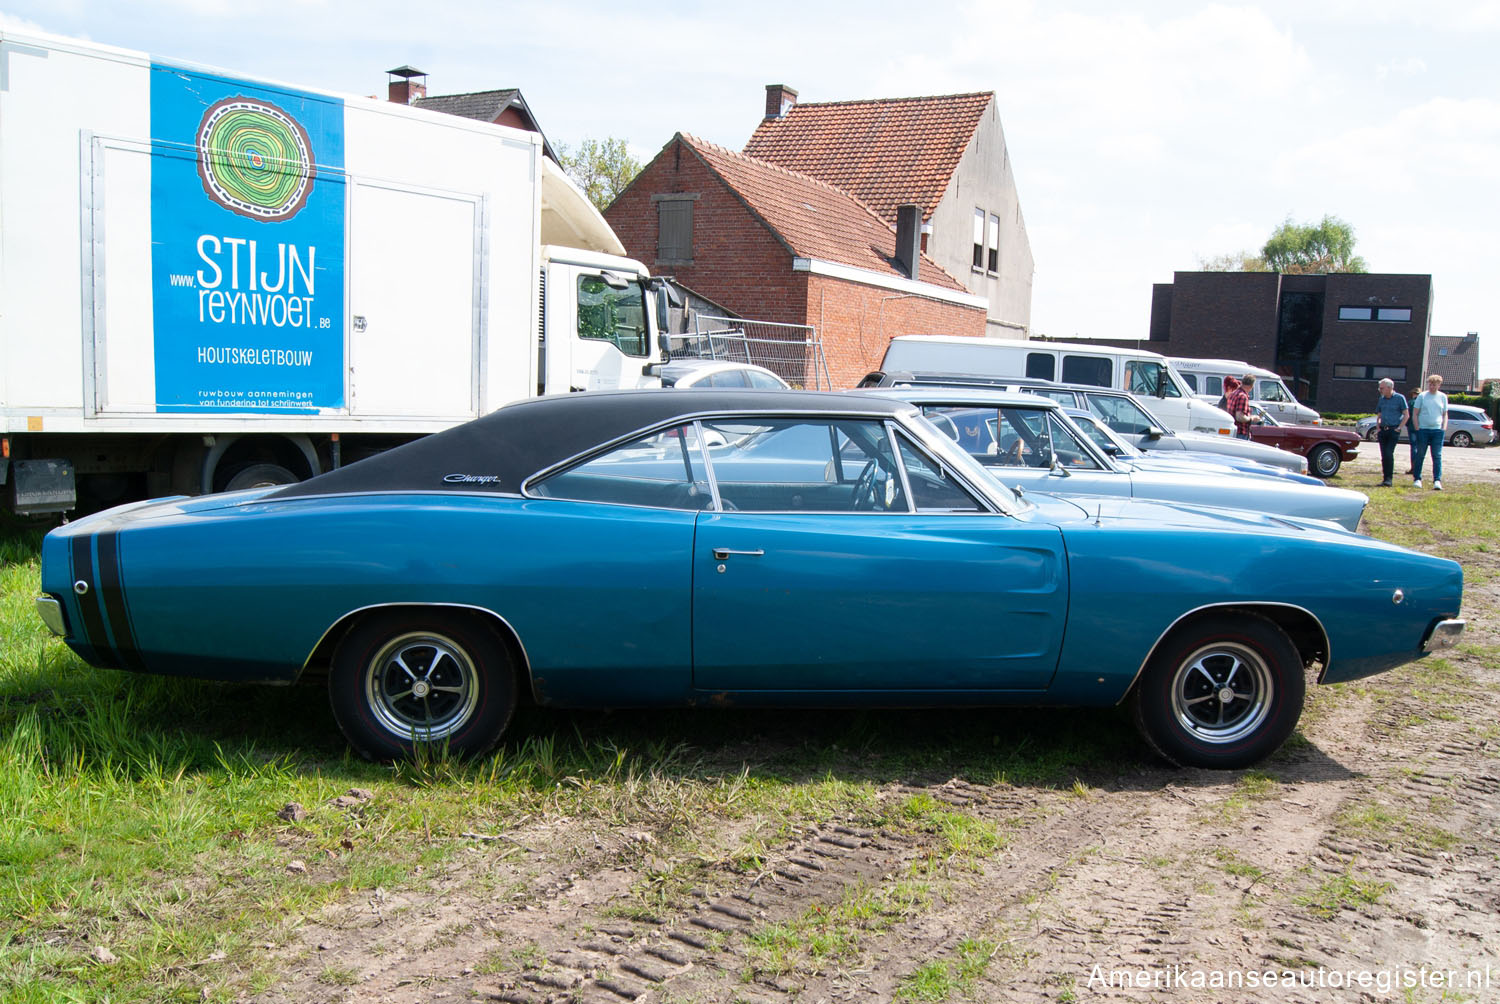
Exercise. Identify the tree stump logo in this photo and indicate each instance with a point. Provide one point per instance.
(254, 159)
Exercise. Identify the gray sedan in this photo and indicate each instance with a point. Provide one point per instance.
(1467, 426)
(1027, 442)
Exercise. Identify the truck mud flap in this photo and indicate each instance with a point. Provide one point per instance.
(42, 486)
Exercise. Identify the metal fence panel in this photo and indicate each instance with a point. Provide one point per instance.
(791, 351)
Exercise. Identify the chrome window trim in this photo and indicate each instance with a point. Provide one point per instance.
(687, 417)
(1327, 644)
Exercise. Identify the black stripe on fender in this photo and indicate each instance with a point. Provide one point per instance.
(88, 601)
(112, 597)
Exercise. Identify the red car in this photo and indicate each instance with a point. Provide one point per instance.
(1325, 448)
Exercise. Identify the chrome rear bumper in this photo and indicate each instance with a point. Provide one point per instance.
(1444, 634)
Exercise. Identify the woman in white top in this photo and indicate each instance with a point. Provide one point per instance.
(1429, 426)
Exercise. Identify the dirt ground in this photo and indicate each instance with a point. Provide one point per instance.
(1359, 865)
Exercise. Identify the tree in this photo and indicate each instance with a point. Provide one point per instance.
(602, 170)
(1300, 249)
(1240, 261)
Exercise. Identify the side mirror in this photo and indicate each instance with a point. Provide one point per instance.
(1058, 470)
(1152, 432)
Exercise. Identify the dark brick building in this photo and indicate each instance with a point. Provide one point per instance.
(1333, 337)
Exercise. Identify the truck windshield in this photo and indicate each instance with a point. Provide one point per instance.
(613, 315)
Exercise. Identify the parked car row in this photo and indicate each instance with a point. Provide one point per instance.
(1467, 426)
(772, 548)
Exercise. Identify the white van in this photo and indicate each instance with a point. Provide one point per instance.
(1145, 374)
(1206, 378)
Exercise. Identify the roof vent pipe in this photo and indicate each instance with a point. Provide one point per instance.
(909, 237)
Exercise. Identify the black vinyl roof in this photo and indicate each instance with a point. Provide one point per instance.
(499, 451)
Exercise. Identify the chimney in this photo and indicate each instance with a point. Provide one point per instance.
(909, 237)
(779, 100)
(407, 88)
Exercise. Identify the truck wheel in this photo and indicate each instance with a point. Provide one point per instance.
(260, 476)
(1224, 692)
(421, 677)
(1325, 460)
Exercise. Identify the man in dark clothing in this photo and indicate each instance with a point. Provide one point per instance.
(1391, 412)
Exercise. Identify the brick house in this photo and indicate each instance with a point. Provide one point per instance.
(1331, 336)
(505, 106)
(1456, 357)
(947, 154)
(776, 245)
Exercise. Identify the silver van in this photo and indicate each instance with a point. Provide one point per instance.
(1206, 378)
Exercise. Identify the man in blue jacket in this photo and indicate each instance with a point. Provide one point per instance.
(1391, 414)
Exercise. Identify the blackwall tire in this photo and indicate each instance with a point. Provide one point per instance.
(1324, 461)
(260, 476)
(433, 678)
(1223, 691)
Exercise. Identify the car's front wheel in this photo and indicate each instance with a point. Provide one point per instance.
(420, 677)
(1372, 433)
(1462, 439)
(1224, 691)
(1324, 461)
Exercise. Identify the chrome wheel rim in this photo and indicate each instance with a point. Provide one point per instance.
(422, 685)
(1326, 462)
(1222, 693)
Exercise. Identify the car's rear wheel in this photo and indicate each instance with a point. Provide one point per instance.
(1324, 460)
(421, 677)
(1462, 439)
(1223, 691)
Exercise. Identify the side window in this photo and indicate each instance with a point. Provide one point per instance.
(1087, 369)
(1120, 414)
(664, 470)
(1041, 366)
(1149, 379)
(973, 429)
(1213, 385)
(613, 315)
(1066, 448)
(727, 378)
(791, 464)
(1191, 379)
(1269, 391)
(932, 488)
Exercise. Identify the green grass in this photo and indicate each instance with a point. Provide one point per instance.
(1343, 892)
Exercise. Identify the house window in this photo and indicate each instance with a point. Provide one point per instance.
(1395, 373)
(994, 263)
(674, 234)
(979, 239)
(1388, 314)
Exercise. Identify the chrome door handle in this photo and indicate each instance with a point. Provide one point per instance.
(720, 553)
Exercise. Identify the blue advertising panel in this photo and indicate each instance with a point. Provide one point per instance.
(247, 245)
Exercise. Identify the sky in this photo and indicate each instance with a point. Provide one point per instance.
(1145, 137)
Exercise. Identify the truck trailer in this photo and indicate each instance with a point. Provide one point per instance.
(210, 281)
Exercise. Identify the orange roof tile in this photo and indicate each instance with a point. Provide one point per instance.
(811, 217)
(886, 151)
